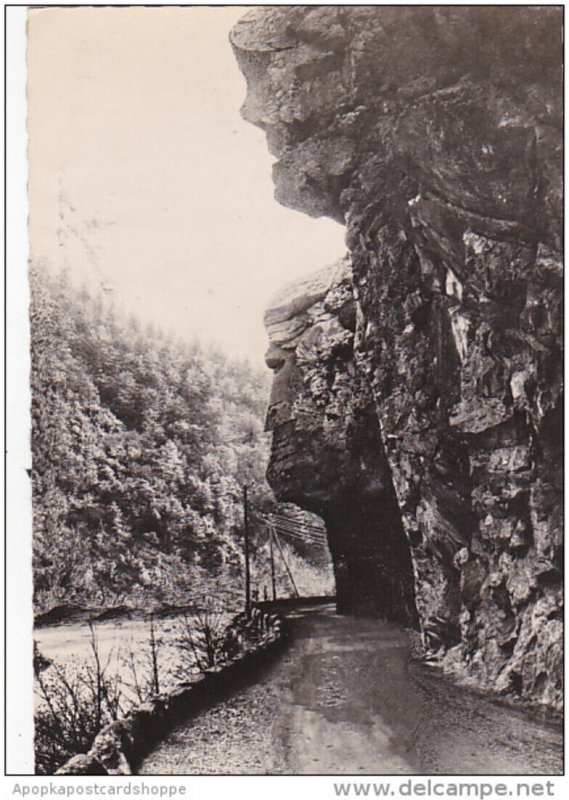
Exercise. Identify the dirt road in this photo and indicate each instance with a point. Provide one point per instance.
(345, 699)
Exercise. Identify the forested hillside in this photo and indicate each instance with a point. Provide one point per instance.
(141, 446)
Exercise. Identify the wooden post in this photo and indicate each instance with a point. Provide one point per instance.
(289, 573)
(247, 566)
(272, 555)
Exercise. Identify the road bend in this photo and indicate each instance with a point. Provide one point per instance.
(345, 698)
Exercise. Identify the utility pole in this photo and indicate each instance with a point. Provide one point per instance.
(289, 573)
(272, 555)
(247, 566)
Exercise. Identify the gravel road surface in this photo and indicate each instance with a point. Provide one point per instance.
(344, 698)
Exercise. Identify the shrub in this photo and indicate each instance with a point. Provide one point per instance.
(201, 639)
(74, 703)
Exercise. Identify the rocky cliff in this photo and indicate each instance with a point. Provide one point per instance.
(418, 398)
(327, 454)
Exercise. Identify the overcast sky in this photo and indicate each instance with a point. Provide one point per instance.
(145, 179)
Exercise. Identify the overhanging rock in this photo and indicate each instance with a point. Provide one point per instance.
(435, 135)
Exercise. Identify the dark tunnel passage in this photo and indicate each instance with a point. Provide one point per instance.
(336, 467)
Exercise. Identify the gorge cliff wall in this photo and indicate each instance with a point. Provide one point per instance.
(327, 455)
(418, 393)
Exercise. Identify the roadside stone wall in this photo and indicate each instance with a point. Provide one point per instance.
(118, 747)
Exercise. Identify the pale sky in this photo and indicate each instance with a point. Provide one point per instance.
(145, 179)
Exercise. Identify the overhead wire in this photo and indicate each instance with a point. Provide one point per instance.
(299, 531)
(297, 537)
(292, 526)
(301, 538)
(301, 523)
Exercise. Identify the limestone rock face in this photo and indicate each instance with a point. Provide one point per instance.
(327, 453)
(435, 135)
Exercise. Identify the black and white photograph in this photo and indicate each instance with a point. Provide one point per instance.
(285, 480)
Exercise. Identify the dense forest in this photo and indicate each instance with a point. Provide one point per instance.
(141, 446)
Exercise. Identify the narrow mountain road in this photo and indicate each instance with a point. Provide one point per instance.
(345, 699)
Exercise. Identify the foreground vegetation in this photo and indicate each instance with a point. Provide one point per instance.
(141, 446)
(77, 698)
